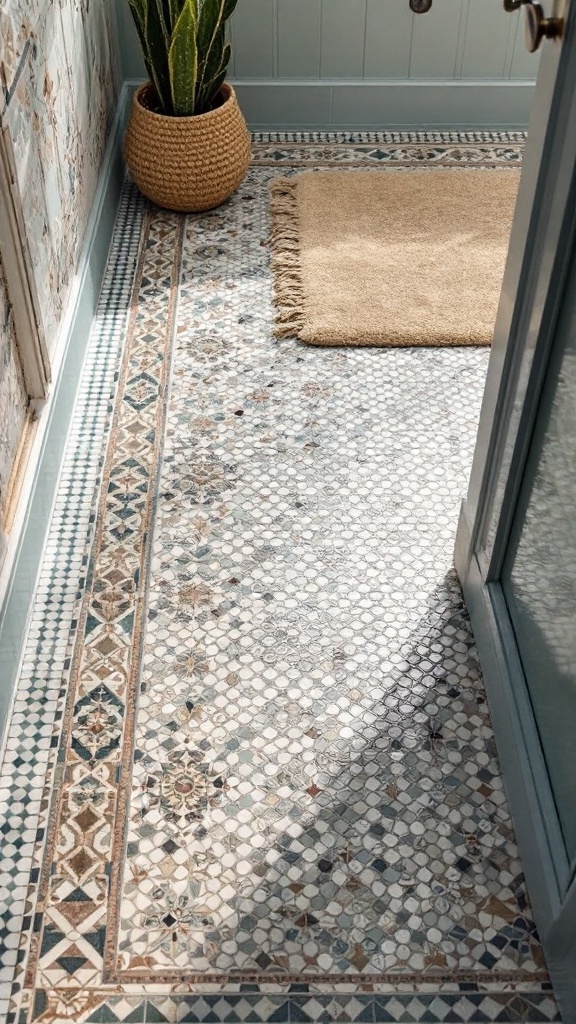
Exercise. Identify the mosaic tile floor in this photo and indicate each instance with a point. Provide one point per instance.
(250, 774)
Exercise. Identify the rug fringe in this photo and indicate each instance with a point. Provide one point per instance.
(285, 261)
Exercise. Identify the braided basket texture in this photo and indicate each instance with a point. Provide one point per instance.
(188, 164)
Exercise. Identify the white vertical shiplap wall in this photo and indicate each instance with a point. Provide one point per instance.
(382, 39)
(373, 63)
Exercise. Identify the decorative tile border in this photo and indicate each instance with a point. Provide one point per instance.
(389, 138)
(90, 758)
(396, 149)
(34, 733)
(71, 912)
(250, 1008)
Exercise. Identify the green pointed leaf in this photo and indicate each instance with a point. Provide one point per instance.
(209, 17)
(225, 60)
(158, 53)
(214, 83)
(213, 89)
(156, 27)
(211, 37)
(183, 61)
(164, 19)
(230, 7)
(138, 9)
(211, 59)
(184, 48)
(211, 26)
(211, 42)
(154, 46)
(175, 8)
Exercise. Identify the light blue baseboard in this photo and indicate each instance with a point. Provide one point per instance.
(323, 105)
(277, 105)
(16, 607)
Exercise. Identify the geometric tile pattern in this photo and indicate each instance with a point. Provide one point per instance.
(317, 827)
(72, 908)
(448, 149)
(33, 734)
(313, 753)
(296, 1007)
(264, 823)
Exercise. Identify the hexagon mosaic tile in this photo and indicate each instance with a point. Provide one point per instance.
(271, 791)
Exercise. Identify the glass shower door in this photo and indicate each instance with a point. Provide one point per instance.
(539, 582)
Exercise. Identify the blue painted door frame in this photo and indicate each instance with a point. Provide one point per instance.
(536, 315)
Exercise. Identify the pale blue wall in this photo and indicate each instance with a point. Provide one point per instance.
(372, 63)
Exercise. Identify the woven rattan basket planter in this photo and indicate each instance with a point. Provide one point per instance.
(188, 164)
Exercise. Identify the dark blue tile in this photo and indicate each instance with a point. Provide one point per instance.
(297, 1012)
(154, 1015)
(281, 1015)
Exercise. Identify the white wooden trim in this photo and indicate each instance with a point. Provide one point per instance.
(19, 278)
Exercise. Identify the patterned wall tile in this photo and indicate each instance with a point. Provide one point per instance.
(19, 22)
(58, 115)
(59, 75)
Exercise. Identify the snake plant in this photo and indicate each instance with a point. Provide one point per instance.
(185, 51)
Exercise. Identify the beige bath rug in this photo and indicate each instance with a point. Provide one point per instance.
(391, 257)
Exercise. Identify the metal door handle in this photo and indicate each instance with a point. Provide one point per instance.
(514, 5)
(538, 26)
